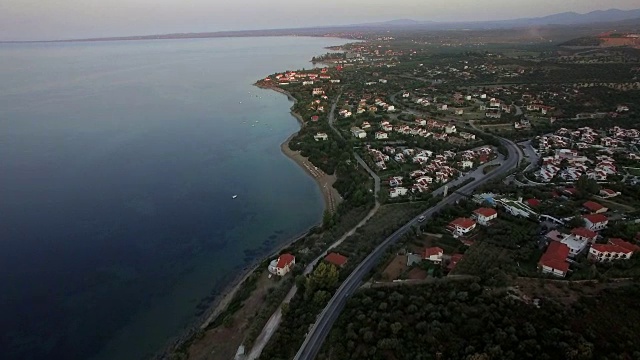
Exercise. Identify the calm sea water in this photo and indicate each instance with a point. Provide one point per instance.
(118, 161)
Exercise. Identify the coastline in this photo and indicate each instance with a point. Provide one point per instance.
(331, 200)
(324, 181)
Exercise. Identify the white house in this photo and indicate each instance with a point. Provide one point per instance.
(358, 133)
(485, 215)
(608, 252)
(282, 265)
(461, 226)
(575, 244)
(381, 135)
(595, 222)
(433, 254)
(397, 191)
(321, 136)
(317, 91)
(450, 129)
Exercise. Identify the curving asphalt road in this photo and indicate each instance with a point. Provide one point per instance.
(319, 331)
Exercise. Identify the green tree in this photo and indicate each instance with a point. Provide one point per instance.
(587, 186)
(576, 222)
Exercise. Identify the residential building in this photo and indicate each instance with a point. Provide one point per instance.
(595, 222)
(336, 259)
(585, 234)
(433, 254)
(317, 91)
(594, 208)
(554, 260)
(575, 244)
(461, 226)
(321, 136)
(282, 265)
(450, 129)
(381, 135)
(397, 191)
(485, 215)
(358, 133)
(608, 252)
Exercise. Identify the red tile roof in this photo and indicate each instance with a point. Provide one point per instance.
(464, 223)
(624, 244)
(336, 259)
(584, 232)
(486, 212)
(608, 191)
(284, 260)
(593, 206)
(596, 218)
(533, 202)
(610, 248)
(556, 257)
(428, 252)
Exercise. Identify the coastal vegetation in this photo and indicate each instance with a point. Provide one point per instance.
(466, 320)
(302, 312)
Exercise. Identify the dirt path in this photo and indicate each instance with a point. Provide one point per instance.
(275, 319)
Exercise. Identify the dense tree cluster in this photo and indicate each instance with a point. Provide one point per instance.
(449, 320)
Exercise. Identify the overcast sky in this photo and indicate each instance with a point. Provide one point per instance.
(63, 19)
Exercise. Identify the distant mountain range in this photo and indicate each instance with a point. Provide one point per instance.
(565, 18)
(605, 17)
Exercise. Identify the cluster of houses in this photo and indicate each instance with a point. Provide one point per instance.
(310, 78)
(463, 226)
(423, 128)
(563, 247)
(285, 263)
(432, 168)
(565, 160)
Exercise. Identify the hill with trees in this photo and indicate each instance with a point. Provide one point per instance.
(466, 320)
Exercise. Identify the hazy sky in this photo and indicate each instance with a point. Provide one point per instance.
(60, 19)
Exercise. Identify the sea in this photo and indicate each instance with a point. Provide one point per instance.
(118, 164)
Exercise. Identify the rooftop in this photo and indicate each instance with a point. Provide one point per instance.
(284, 260)
(336, 259)
(596, 218)
(584, 232)
(464, 223)
(556, 257)
(486, 212)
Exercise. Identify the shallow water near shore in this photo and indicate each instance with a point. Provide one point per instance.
(120, 160)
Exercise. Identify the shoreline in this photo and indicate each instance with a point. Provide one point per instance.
(324, 181)
(331, 200)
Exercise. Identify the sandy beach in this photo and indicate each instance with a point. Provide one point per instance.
(331, 196)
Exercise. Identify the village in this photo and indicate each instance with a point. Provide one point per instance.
(404, 130)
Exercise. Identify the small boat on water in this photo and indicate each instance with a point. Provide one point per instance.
(234, 196)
